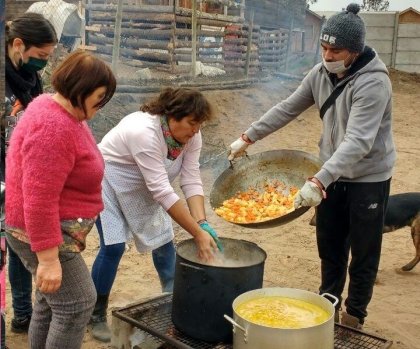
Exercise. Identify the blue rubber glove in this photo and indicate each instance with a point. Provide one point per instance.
(206, 227)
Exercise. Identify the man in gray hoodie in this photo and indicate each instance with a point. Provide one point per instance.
(357, 150)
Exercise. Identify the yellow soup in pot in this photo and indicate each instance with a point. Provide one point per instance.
(282, 312)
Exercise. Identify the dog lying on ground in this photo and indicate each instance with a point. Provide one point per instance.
(403, 210)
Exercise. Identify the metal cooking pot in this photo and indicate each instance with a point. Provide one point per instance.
(248, 335)
(204, 293)
(292, 167)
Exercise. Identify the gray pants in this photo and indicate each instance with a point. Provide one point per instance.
(59, 319)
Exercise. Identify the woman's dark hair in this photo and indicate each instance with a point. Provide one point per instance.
(178, 103)
(79, 75)
(33, 29)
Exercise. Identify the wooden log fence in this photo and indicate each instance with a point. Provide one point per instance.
(273, 49)
(161, 36)
(158, 57)
(130, 42)
(188, 44)
(142, 9)
(138, 17)
(132, 24)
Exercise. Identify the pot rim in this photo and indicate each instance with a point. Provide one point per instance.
(261, 292)
(188, 241)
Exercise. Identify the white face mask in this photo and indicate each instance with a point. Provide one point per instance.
(336, 67)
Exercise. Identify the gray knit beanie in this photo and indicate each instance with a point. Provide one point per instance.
(345, 30)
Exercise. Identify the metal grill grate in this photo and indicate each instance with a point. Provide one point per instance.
(154, 317)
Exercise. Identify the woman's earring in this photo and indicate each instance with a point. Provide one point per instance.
(20, 61)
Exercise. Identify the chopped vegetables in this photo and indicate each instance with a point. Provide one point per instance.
(252, 206)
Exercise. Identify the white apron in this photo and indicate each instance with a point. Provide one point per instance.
(130, 210)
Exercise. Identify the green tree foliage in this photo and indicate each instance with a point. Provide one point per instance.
(367, 5)
(375, 5)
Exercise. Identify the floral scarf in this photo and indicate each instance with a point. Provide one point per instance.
(174, 147)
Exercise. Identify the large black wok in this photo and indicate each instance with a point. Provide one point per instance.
(291, 167)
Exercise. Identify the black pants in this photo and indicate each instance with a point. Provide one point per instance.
(351, 219)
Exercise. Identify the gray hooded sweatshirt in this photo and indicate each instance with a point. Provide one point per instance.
(356, 143)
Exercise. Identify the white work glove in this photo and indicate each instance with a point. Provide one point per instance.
(237, 148)
(309, 195)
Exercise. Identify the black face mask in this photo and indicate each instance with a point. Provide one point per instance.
(34, 64)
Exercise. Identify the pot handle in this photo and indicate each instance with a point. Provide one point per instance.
(236, 325)
(190, 266)
(334, 298)
(231, 161)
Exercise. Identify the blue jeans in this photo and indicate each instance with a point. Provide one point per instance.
(2, 332)
(21, 286)
(164, 261)
(104, 269)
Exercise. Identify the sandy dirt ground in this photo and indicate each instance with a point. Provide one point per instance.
(394, 312)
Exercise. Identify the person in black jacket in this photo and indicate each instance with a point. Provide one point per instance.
(30, 41)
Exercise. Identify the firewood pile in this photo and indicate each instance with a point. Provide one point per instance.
(161, 37)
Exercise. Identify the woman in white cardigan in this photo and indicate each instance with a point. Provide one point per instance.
(143, 155)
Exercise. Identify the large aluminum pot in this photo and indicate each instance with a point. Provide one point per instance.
(292, 167)
(247, 335)
(203, 293)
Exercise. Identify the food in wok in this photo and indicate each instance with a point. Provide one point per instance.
(291, 167)
(253, 206)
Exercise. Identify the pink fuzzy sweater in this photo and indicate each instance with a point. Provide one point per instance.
(53, 172)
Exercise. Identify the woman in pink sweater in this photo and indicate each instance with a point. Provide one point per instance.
(53, 178)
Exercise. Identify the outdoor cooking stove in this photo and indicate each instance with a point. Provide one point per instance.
(154, 317)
